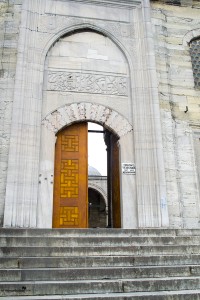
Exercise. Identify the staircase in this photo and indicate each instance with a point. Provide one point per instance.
(93, 264)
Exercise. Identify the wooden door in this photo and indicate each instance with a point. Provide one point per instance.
(116, 206)
(113, 180)
(70, 206)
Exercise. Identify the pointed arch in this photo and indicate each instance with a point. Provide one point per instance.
(67, 30)
(84, 111)
(190, 35)
(99, 189)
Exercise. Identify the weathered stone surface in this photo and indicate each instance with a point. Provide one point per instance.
(176, 86)
(97, 272)
(10, 14)
(152, 57)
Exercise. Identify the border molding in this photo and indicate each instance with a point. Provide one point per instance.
(112, 3)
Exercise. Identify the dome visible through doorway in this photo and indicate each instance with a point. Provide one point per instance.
(104, 188)
(97, 203)
(97, 154)
(93, 171)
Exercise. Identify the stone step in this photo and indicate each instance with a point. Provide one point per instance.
(27, 288)
(97, 241)
(161, 295)
(16, 232)
(96, 261)
(100, 264)
(5, 232)
(101, 251)
(98, 273)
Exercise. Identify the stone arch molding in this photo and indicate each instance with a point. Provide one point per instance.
(70, 25)
(190, 35)
(77, 112)
(98, 189)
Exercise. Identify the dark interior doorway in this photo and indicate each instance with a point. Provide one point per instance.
(97, 209)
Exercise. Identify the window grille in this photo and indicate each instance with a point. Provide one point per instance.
(195, 57)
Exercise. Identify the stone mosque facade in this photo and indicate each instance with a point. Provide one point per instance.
(131, 66)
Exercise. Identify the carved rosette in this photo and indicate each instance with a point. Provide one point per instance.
(75, 112)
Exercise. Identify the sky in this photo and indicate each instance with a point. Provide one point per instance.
(97, 155)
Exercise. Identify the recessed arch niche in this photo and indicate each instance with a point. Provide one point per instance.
(86, 78)
(86, 65)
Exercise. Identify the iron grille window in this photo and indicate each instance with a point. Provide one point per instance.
(195, 57)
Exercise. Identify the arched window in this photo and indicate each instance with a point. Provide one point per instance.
(195, 57)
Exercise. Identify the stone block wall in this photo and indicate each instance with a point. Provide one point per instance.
(10, 15)
(175, 24)
(173, 28)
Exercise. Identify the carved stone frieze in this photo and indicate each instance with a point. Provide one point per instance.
(75, 112)
(87, 83)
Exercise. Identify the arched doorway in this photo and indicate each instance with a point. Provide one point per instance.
(97, 210)
(70, 200)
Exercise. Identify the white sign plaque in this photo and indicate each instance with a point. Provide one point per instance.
(128, 168)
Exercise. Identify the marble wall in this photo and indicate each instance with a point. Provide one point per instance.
(174, 27)
(132, 60)
(10, 17)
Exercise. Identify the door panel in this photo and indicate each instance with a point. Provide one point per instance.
(114, 211)
(115, 182)
(70, 208)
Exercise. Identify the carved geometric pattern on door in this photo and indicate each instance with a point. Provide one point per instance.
(70, 206)
(70, 143)
(69, 178)
(69, 216)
